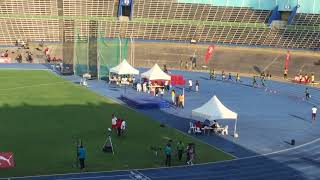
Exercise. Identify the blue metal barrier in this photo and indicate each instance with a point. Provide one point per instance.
(275, 15)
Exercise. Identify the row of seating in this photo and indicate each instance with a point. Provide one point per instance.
(284, 38)
(29, 7)
(48, 30)
(307, 19)
(170, 9)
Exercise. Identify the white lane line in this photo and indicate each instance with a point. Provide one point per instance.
(31, 69)
(94, 177)
(142, 175)
(36, 85)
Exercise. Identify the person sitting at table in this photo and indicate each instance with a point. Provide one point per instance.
(198, 127)
(198, 124)
(161, 90)
(215, 126)
(129, 79)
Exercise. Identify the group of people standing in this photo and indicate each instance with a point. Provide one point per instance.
(177, 99)
(212, 76)
(181, 149)
(118, 124)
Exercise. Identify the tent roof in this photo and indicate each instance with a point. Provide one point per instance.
(155, 73)
(124, 68)
(214, 109)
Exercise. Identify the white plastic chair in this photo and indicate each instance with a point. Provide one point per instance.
(84, 82)
(225, 130)
(192, 127)
(198, 131)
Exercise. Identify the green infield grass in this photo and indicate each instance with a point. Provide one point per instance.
(43, 116)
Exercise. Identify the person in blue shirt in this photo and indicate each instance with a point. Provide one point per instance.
(168, 152)
(81, 156)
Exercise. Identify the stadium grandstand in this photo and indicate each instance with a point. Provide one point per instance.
(241, 22)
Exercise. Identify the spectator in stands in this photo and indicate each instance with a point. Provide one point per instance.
(254, 81)
(306, 77)
(285, 73)
(181, 64)
(229, 77)
(197, 86)
(29, 57)
(6, 53)
(300, 78)
(223, 75)
(165, 69)
(263, 79)
(194, 62)
(238, 78)
(81, 156)
(314, 113)
(212, 74)
(308, 96)
(187, 65)
(168, 152)
(180, 149)
(41, 43)
(113, 122)
(19, 58)
(312, 78)
(268, 75)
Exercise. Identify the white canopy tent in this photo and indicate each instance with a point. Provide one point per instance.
(155, 73)
(213, 110)
(124, 68)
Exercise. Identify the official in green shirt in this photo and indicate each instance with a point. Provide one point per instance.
(180, 149)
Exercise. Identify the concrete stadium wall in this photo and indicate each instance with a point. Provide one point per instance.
(230, 59)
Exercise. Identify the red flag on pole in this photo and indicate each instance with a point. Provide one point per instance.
(209, 53)
(286, 64)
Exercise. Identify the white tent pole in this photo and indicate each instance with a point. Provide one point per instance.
(235, 128)
(120, 50)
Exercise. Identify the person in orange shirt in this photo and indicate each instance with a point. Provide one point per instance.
(182, 100)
